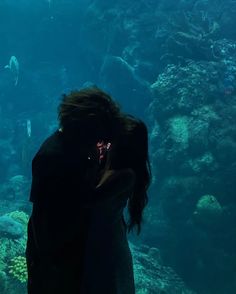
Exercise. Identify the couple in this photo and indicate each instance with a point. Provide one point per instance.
(83, 176)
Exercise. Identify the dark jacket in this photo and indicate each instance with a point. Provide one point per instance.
(77, 239)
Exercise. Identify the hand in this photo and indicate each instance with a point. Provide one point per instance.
(105, 176)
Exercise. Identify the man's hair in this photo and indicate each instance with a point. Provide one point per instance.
(89, 106)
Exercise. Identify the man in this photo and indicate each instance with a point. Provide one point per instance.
(65, 167)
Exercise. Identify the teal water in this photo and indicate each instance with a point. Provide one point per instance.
(172, 63)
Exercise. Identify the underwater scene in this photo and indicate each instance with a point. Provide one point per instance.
(170, 62)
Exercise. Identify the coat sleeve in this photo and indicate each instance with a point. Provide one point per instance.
(42, 217)
(50, 221)
(45, 170)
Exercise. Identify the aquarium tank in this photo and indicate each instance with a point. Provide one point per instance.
(170, 62)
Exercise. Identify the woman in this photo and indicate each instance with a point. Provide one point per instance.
(107, 260)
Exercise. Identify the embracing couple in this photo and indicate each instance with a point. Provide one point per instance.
(83, 177)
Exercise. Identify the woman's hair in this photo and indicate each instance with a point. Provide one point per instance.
(131, 151)
(90, 111)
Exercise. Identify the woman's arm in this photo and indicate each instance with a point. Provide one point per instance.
(112, 184)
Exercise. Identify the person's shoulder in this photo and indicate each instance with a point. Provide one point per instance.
(51, 146)
(48, 158)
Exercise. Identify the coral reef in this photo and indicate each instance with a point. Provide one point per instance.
(208, 213)
(13, 272)
(193, 143)
(151, 276)
(19, 216)
(18, 268)
(14, 281)
(3, 281)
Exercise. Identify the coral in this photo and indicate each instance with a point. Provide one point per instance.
(151, 276)
(2, 265)
(179, 130)
(18, 268)
(208, 204)
(10, 248)
(19, 216)
(11, 252)
(180, 89)
(206, 162)
(3, 281)
(208, 211)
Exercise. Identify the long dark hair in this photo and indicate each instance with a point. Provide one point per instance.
(131, 151)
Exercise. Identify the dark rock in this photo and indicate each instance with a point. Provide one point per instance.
(10, 228)
(119, 78)
(152, 277)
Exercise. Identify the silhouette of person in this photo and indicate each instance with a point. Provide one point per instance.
(107, 263)
(77, 233)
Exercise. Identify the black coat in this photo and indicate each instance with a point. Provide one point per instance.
(77, 239)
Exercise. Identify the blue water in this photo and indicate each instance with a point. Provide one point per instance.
(172, 63)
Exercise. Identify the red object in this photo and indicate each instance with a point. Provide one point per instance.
(102, 149)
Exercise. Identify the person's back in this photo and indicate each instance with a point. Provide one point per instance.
(57, 226)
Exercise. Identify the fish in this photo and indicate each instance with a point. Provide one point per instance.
(28, 127)
(49, 3)
(14, 67)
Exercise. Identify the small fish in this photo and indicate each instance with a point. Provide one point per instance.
(28, 127)
(49, 3)
(14, 68)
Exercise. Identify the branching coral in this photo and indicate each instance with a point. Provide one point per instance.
(18, 268)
